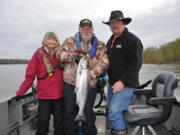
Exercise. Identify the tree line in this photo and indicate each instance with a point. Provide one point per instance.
(13, 61)
(167, 53)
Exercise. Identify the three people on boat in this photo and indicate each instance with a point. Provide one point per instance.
(121, 57)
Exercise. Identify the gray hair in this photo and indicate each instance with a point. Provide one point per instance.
(50, 35)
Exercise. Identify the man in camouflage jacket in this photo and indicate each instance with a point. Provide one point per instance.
(84, 42)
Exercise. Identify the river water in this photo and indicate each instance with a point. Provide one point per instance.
(11, 76)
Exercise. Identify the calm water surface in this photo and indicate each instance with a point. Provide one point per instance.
(11, 76)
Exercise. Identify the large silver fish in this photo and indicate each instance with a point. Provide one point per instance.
(81, 87)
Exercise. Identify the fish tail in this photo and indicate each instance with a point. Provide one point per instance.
(80, 118)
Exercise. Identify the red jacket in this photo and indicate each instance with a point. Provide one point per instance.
(51, 87)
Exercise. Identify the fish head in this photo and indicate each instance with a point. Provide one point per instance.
(83, 62)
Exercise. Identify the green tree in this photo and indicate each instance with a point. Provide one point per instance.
(169, 52)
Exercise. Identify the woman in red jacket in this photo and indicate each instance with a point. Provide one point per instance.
(44, 66)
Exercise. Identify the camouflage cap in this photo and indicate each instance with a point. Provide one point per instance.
(85, 22)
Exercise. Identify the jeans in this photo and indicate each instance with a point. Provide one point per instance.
(46, 107)
(117, 104)
(71, 110)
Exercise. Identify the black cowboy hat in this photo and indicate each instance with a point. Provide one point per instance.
(118, 15)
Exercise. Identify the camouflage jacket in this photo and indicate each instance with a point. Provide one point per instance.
(67, 53)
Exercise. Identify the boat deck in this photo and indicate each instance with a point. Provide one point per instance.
(26, 129)
(10, 115)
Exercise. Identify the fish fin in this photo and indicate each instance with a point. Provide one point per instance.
(80, 118)
(75, 90)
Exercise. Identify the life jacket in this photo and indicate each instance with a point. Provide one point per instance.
(50, 68)
(92, 52)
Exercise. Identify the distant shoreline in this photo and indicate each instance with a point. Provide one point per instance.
(174, 62)
(13, 61)
(25, 61)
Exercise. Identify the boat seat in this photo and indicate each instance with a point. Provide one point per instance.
(159, 104)
(140, 113)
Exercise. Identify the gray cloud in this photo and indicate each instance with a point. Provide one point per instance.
(23, 24)
(160, 26)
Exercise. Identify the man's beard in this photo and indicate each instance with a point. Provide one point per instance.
(86, 37)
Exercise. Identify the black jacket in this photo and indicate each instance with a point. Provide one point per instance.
(125, 59)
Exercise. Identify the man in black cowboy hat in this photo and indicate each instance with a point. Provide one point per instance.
(125, 60)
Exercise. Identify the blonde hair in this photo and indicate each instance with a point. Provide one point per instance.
(50, 35)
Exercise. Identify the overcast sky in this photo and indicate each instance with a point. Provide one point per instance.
(23, 23)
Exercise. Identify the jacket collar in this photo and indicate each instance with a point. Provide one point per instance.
(123, 34)
(48, 52)
(45, 48)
